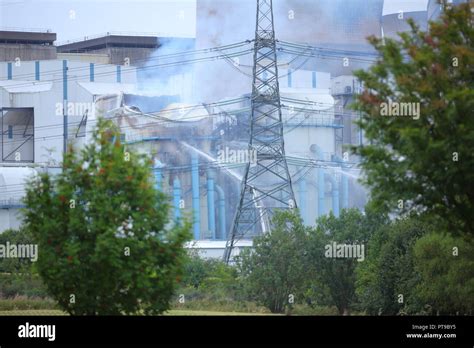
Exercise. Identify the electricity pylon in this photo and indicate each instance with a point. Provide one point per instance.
(266, 185)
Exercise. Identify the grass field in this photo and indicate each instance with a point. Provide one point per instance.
(173, 312)
(190, 312)
(33, 312)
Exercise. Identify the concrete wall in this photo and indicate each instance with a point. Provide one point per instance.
(86, 57)
(9, 52)
(117, 55)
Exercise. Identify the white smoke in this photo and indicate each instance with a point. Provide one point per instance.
(343, 24)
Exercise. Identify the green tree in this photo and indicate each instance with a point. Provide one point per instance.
(196, 269)
(446, 266)
(101, 227)
(274, 272)
(211, 277)
(334, 282)
(389, 269)
(15, 265)
(17, 275)
(425, 163)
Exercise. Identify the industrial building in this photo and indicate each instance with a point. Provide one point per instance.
(27, 45)
(118, 48)
(52, 95)
(40, 101)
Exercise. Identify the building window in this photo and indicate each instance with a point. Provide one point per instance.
(19, 146)
(314, 79)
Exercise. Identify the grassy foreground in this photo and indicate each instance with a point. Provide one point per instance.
(174, 312)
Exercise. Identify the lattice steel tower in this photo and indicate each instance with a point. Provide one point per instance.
(266, 184)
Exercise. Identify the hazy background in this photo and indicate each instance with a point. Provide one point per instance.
(76, 19)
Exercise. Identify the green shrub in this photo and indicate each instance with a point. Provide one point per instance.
(15, 265)
(12, 285)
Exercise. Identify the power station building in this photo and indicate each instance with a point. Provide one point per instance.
(51, 96)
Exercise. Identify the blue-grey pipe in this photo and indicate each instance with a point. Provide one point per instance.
(321, 199)
(65, 103)
(344, 185)
(302, 201)
(319, 155)
(222, 217)
(158, 178)
(157, 170)
(9, 70)
(195, 193)
(345, 191)
(211, 210)
(335, 193)
(176, 198)
(37, 70)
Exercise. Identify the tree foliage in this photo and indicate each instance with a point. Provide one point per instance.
(17, 275)
(274, 271)
(292, 260)
(101, 226)
(423, 164)
(212, 277)
(15, 265)
(335, 277)
(386, 281)
(431, 270)
(446, 266)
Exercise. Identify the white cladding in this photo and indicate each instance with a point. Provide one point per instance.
(395, 6)
(46, 97)
(12, 180)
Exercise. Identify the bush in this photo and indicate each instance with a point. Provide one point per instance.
(101, 229)
(29, 285)
(209, 279)
(15, 265)
(17, 275)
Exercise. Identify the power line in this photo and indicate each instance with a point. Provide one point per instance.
(294, 49)
(150, 59)
(184, 109)
(131, 69)
(326, 49)
(218, 165)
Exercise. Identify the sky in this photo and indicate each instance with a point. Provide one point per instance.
(72, 19)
